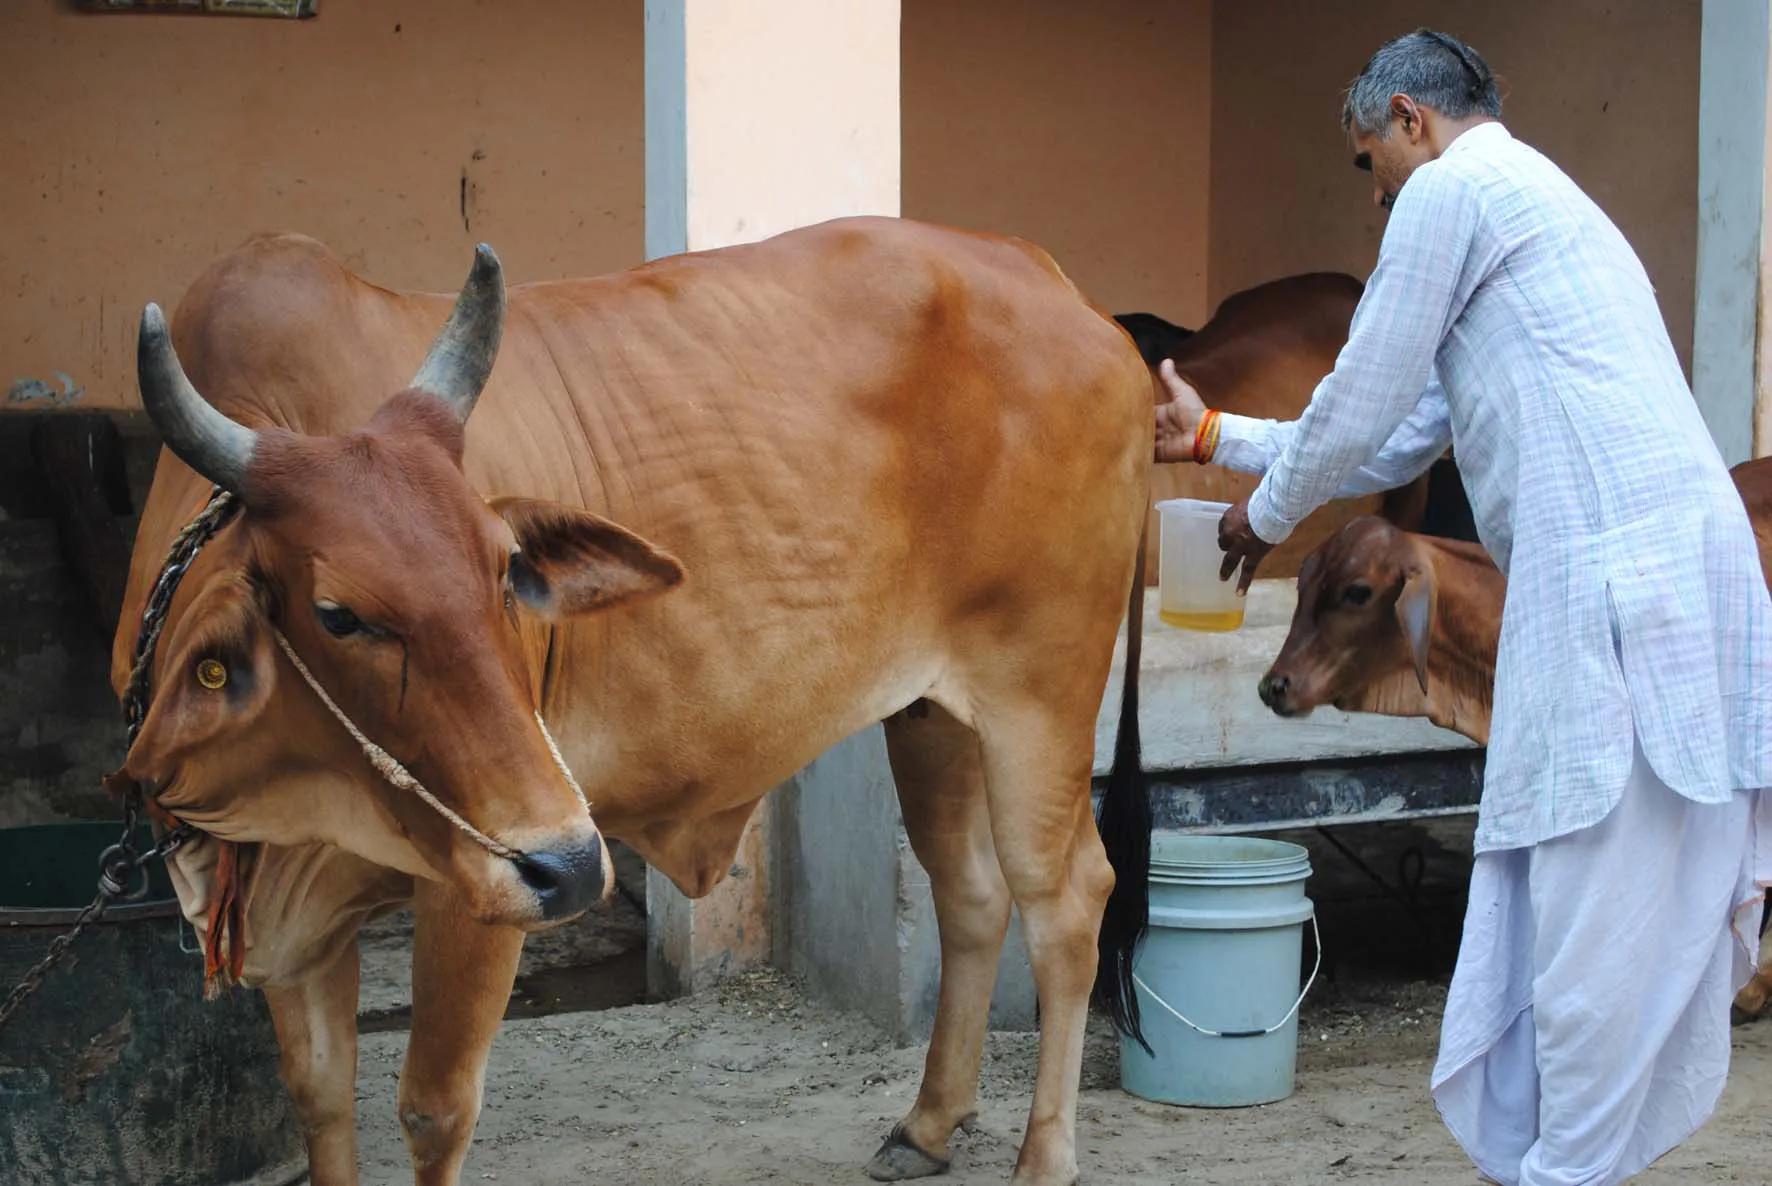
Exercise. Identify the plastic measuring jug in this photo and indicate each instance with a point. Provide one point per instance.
(1189, 593)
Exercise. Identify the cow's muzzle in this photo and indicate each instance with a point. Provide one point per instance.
(566, 881)
(1275, 691)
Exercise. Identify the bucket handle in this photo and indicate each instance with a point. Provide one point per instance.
(1316, 940)
(195, 947)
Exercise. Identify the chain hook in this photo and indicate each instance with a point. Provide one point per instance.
(119, 867)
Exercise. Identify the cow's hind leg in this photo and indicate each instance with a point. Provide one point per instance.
(937, 767)
(1038, 759)
(462, 973)
(316, 1022)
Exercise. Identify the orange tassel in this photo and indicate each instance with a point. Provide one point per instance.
(224, 941)
(159, 814)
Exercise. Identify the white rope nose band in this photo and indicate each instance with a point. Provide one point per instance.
(389, 767)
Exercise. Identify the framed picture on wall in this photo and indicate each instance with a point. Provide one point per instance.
(284, 8)
(294, 8)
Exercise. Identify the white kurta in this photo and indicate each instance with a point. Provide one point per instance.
(1593, 480)
(1622, 841)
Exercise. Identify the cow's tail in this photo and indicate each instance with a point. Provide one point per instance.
(1124, 820)
(1155, 337)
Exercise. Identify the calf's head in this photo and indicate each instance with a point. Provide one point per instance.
(1364, 617)
(417, 606)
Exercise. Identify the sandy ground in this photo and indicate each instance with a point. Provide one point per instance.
(597, 962)
(753, 1084)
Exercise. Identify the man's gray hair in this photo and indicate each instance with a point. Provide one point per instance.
(1435, 69)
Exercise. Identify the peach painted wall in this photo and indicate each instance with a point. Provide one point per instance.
(1167, 154)
(1606, 88)
(139, 146)
(1083, 127)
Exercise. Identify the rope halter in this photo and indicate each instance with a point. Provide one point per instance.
(390, 769)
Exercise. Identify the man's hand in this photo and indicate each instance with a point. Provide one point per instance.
(1241, 546)
(1179, 419)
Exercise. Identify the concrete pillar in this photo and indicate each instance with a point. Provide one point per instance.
(1732, 123)
(853, 913)
(764, 117)
(760, 117)
(1763, 339)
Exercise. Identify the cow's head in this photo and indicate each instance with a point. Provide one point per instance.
(420, 608)
(1365, 612)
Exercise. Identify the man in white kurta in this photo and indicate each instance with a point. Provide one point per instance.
(1622, 841)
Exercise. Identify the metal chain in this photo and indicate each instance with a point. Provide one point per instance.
(184, 549)
(120, 864)
(58, 947)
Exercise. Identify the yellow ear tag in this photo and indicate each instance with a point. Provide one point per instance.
(211, 674)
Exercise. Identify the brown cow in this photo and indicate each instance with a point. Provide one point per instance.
(1262, 355)
(1408, 625)
(711, 516)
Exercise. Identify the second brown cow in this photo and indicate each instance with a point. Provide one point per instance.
(1262, 354)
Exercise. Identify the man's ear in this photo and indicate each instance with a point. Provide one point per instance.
(573, 562)
(215, 678)
(1415, 615)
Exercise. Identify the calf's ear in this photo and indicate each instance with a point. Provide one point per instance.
(1415, 615)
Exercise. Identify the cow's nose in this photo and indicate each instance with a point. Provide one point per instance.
(566, 881)
(1272, 690)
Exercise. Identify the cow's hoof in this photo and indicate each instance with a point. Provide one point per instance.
(898, 1159)
(1750, 1002)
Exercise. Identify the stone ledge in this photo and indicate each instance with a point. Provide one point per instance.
(1198, 708)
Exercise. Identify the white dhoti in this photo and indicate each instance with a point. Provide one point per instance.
(1587, 1028)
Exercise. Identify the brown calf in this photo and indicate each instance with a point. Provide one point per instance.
(1408, 625)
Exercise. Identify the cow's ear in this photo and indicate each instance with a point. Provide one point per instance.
(1415, 614)
(570, 561)
(216, 679)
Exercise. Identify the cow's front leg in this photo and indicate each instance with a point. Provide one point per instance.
(462, 973)
(935, 764)
(316, 1020)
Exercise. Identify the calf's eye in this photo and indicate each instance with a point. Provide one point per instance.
(1357, 594)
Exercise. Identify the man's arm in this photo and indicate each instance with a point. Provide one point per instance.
(1427, 267)
(1252, 446)
(1249, 445)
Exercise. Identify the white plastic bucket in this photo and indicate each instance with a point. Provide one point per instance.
(1217, 974)
(1189, 593)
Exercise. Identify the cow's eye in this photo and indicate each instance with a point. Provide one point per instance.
(1357, 594)
(339, 621)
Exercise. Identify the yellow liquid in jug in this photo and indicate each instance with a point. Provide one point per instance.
(1217, 621)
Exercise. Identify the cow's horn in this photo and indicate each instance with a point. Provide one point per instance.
(460, 359)
(200, 436)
